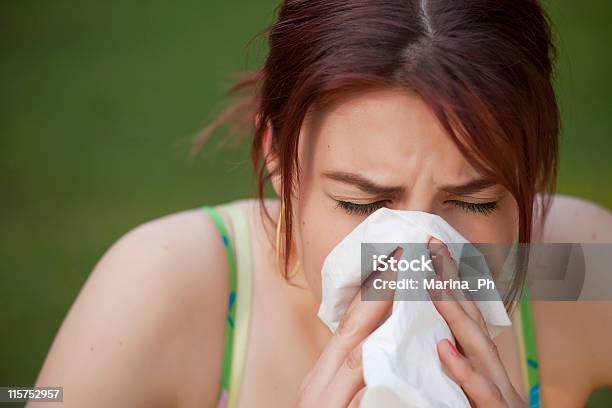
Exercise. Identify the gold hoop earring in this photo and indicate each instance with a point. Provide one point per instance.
(277, 245)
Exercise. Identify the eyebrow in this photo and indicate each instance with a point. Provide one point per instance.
(365, 185)
(472, 186)
(371, 187)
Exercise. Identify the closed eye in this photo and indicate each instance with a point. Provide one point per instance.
(366, 209)
(360, 209)
(479, 208)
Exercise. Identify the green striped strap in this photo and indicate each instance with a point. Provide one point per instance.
(530, 357)
(240, 224)
(525, 332)
(231, 308)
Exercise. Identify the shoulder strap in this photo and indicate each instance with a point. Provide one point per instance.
(231, 309)
(525, 334)
(531, 358)
(238, 315)
(243, 304)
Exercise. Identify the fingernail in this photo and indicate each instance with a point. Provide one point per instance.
(454, 350)
(397, 252)
(435, 246)
(432, 240)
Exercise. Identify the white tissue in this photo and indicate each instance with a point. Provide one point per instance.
(401, 354)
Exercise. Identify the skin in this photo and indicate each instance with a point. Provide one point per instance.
(147, 328)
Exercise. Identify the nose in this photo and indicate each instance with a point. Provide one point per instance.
(417, 205)
(421, 197)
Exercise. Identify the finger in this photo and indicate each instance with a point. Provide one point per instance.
(474, 341)
(360, 319)
(482, 391)
(356, 401)
(369, 290)
(357, 299)
(348, 379)
(444, 264)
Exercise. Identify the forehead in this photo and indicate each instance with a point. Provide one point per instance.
(386, 133)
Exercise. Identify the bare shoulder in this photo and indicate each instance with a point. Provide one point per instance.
(147, 327)
(574, 330)
(573, 219)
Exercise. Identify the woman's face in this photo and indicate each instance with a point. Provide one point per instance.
(386, 148)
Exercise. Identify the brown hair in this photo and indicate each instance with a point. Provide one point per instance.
(484, 67)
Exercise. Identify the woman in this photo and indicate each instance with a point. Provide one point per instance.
(444, 107)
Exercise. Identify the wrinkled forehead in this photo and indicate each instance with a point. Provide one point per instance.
(382, 132)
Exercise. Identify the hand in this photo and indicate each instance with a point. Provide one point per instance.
(477, 368)
(336, 380)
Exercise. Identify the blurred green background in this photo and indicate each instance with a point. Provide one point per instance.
(100, 100)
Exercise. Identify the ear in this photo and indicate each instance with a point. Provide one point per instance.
(271, 159)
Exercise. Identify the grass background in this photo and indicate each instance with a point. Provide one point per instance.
(100, 99)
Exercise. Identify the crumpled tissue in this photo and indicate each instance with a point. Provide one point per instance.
(400, 356)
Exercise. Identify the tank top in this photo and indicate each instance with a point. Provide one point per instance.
(239, 302)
